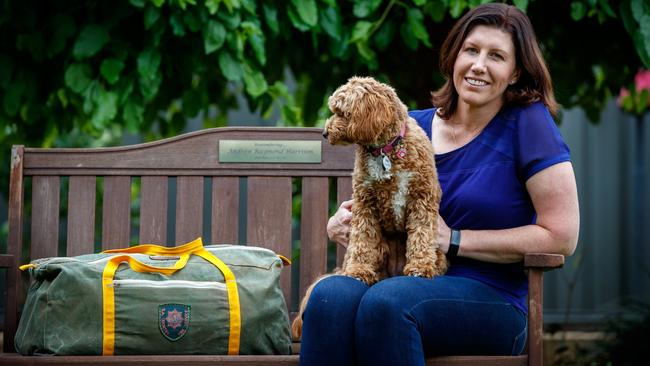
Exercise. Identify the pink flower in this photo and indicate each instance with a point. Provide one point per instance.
(642, 80)
(623, 94)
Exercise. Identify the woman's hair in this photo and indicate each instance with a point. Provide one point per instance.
(534, 81)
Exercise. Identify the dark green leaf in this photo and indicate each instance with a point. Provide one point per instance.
(255, 82)
(192, 21)
(435, 10)
(604, 4)
(456, 7)
(363, 8)
(384, 35)
(419, 2)
(150, 85)
(133, 115)
(148, 63)
(90, 41)
(271, 17)
(408, 37)
(416, 26)
(331, 22)
(365, 51)
(151, 16)
(230, 20)
(231, 5)
(578, 10)
(230, 67)
(78, 77)
(521, 4)
(138, 3)
(213, 6)
(249, 5)
(105, 110)
(644, 29)
(177, 24)
(257, 43)
(361, 31)
(111, 69)
(339, 48)
(296, 21)
(158, 3)
(639, 9)
(214, 35)
(307, 11)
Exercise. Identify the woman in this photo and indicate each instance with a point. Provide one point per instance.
(508, 189)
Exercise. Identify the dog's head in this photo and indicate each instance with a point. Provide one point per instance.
(366, 112)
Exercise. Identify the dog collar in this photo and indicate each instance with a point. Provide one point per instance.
(389, 146)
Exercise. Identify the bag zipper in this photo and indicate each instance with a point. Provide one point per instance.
(169, 284)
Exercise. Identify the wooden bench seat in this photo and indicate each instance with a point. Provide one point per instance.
(67, 202)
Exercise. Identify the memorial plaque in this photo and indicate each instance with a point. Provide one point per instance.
(270, 151)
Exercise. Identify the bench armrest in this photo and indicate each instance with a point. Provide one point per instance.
(543, 261)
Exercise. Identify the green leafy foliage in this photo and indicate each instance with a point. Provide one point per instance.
(84, 73)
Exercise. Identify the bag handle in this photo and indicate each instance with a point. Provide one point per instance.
(193, 248)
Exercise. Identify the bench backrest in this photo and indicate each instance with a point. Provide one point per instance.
(76, 201)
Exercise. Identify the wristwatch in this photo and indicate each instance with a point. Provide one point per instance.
(454, 244)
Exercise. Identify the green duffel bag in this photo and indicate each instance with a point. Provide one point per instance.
(148, 299)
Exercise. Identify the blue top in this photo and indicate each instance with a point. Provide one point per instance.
(483, 185)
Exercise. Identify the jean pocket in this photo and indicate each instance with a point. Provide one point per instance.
(519, 342)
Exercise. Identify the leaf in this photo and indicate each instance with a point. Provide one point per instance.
(365, 51)
(150, 85)
(271, 17)
(105, 110)
(578, 10)
(250, 6)
(231, 21)
(296, 21)
(435, 10)
(148, 62)
(192, 21)
(361, 31)
(639, 9)
(137, 3)
(456, 8)
(213, 6)
(133, 115)
(330, 20)
(151, 16)
(307, 11)
(408, 37)
(521, 4)
(230, 68)
(177, 24)
(111, 69)
(231, 5)
(6, 69)
(214, 36)
(416, 25)
(257, 41)
(419, 2)
(78, 77)
(644, 29)
(90, 41)
(255, 82)
(384, 35)
(363, 8)
(158, 3)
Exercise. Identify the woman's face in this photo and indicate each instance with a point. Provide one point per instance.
(484, 67)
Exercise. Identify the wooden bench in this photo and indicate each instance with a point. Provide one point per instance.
(79, 197)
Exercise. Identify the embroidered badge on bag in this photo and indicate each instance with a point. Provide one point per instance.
(174, 320)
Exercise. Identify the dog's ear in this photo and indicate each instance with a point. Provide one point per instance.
(373, 112)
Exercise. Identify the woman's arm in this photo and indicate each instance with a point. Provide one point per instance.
(555, 198)
(338, 226)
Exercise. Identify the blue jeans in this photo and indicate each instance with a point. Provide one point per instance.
(402, 320)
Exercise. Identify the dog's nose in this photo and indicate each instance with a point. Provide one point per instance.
(325, 134)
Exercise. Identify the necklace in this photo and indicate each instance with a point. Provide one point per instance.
(471, 134)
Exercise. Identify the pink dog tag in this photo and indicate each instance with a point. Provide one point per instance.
(401, 153)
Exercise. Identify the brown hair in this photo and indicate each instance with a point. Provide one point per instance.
(534, 82)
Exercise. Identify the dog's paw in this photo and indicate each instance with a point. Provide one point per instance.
(361, 273)
(419, 271)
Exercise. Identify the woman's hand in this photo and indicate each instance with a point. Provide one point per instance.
(338, 226)
(443, 234)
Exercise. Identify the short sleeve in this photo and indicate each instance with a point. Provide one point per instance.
(424, 118)
(539, 142)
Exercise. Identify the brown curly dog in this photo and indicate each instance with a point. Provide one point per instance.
(395, 186)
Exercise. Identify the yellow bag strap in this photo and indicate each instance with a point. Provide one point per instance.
(193, 248)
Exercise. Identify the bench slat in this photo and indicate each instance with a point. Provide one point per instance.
(116, 216)
(269, 219)
(313, 236)
(153, 210)
(225, 210)
(81, 215)
(45, 216)
(343, 193)
(189, 209)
